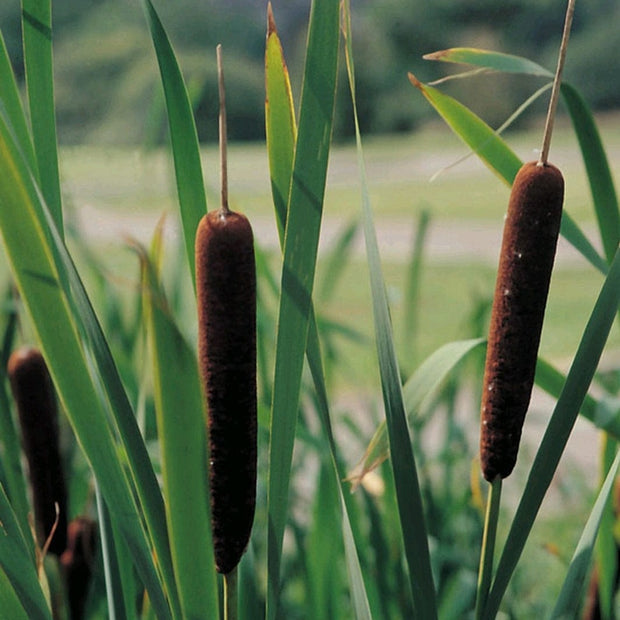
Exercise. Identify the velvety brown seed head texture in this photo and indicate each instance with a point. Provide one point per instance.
(35, 400)
(226, 293)
(526, 260)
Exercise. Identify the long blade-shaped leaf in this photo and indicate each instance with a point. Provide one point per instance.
(551, 380)
(419, 387)
(281, 132)
(300, 252)
(183, 136)
(558, 431)
(497, 61)
(17, 563)
(280, 125)
(182, 439)
(37, 34)
(41, 288)
(409, 497)
(597, 167)
(498, 156)
(9, 98)
(572, 589)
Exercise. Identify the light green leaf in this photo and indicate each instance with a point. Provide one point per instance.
(58, 331)
(422, 384)
(181, 426)
(300, 252)
(10, 99)
(497, 61)
(498, 156)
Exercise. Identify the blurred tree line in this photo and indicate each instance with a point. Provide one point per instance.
(108, 90)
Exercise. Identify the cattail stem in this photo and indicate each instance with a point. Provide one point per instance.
(485, 571)
(231, 595)
(557, 82)
(223, 132)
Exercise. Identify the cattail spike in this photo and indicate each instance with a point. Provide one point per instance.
(35, 400)
(226, 294)
(526, 260)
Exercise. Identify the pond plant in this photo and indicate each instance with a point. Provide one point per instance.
(200, 471)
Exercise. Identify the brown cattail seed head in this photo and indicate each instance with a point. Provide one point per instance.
(526, 260)
(77, 563)
(35, 400)
(226, 294)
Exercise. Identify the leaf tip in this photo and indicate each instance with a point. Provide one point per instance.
(271, 22)
(414, 80)
(436, 55)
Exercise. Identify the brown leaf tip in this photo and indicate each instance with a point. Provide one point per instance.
(271, 22)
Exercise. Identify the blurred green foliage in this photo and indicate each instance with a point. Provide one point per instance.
(108, 91)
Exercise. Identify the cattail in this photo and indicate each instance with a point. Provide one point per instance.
(226, 292)
(226, 296)
(77, 563)
(526, 260)
(34, 397)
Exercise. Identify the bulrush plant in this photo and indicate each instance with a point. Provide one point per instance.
(174, 453)
(226, 298)
(37, 411)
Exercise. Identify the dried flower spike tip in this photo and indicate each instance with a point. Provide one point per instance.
(35, 399)
(526, 260)
(226, 294)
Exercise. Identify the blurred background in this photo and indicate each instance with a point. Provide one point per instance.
(108, 89)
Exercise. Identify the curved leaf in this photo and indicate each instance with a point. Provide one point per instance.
(498, 156)
(497, 61)
(56, 326)
(300, 253)
(422, 384)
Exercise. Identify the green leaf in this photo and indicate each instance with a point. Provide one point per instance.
(558, 431)
(281, 136)
(422, 384)
(497, 61)
(300, 252)
(280, 126)
(17, 563)
(37, 35)
(597, 166)
(598, 170)
(10, 99)
(181, 426)
(572, 588)
(9, 602)
(183, 136)
(489, 147)
(498, 156)
(551, 380)
(59, 329)
(409, 497)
